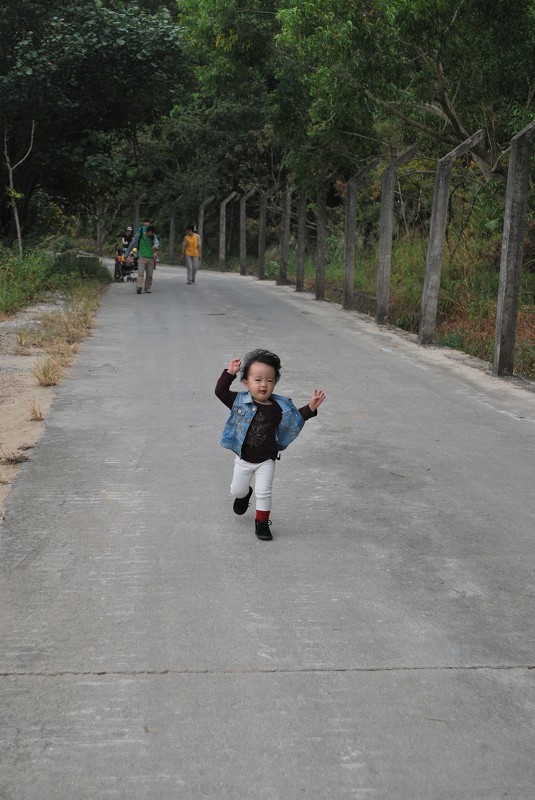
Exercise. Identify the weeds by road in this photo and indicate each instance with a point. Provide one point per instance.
(38, 344)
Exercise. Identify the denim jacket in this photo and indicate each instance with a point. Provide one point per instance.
(243, 411)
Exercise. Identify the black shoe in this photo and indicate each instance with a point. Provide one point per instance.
(138, 289)
(262, 530)
(241, 504)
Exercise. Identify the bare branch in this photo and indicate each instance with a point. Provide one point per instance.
(391, 108)
(446, 105)
(23, 159)
(13, 195)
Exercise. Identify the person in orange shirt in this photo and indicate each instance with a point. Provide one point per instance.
(191, 251)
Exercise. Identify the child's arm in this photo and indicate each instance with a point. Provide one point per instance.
(222, 388)
(317, 399)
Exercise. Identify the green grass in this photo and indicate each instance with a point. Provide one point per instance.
(24, 282)
(466, 315)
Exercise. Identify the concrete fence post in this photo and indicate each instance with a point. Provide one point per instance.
(243, 231)
(321, 241)
(262, 230)
(514, 229)
(386, 229)
(285, 236)
(137, 205)
(200, 217)
(321, 236)
(172, 230)
(100, 214)
(350, 235)
(301, 242)
(223, 229)
(437, 235)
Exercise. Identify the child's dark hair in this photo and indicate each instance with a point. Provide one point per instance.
(264, 357)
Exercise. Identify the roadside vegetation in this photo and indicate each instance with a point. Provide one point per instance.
(78, 281)
(26, 281)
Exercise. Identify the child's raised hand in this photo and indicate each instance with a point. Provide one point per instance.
(234, 366)
(317, 399)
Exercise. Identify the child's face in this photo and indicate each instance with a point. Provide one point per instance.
(260, 381)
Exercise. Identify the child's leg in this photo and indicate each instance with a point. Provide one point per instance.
(263, 482)
(241, 478)
(264, 475)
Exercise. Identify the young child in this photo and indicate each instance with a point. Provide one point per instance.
(260, 424)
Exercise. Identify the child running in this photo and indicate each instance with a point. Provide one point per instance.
(260, 424)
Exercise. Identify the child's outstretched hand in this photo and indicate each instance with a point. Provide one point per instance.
(234, 366)
(317, 399)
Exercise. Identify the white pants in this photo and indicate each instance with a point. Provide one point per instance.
(263, 474)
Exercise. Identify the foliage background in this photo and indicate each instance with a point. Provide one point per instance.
(192, 99)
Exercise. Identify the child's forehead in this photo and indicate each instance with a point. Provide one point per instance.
(258, 367)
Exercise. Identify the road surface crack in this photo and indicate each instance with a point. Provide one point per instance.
(260, 671)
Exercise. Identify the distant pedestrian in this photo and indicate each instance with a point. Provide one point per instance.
(147, 244)
(127, 237)
(261, 424)
(191, 251)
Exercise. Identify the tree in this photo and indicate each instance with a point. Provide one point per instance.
(441, 70)
(14, 195)
(82, 67)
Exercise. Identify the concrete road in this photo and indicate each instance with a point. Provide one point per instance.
(382, 646)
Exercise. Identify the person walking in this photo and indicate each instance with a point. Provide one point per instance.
(191, 252)
(261, 424)
(147, 245)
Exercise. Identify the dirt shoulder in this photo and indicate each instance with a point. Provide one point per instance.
(23, 402)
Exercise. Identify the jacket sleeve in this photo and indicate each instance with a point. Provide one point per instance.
(306, 413)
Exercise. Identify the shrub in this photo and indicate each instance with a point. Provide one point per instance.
(84, 267)
(22, 282)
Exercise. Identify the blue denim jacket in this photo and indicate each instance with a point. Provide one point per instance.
(243, 411)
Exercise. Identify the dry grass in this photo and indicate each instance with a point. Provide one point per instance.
(10, 459)
(60, 334)
(24, 336)
(36, 415)
(49, 371)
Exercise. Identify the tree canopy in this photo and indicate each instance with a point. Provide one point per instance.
(86, 73)
(203, 97)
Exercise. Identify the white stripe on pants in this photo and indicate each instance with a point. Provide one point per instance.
(263, 475)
